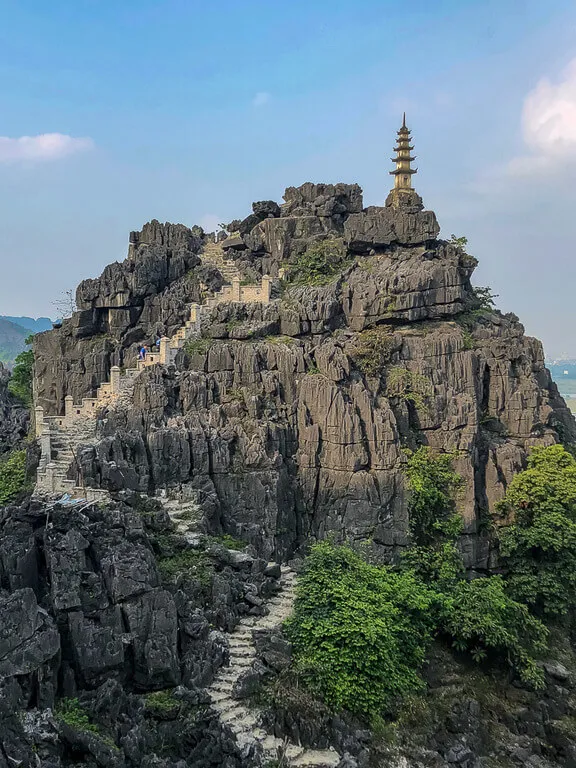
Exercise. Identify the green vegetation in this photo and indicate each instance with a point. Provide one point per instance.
(71, 712)
(225, 540)
(199, 346)
(459, 242)
(162, 703)
(408, 386)
(12, 476)
(485, 298)
(539, 547)
(319, 263)
(361, 632)
(374, 350)
(20, 384)
(188, 562)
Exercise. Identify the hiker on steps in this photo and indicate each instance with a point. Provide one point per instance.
(142, 353)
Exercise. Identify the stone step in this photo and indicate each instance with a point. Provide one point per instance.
(316, 758)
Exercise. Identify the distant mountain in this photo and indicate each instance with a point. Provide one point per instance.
(12, 338)
(35, 326)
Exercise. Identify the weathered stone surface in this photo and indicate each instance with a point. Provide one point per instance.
(28, 636)
(322, 200)
(14, 417)
(380, 227)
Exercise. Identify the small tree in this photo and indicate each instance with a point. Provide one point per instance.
(66, 304)
(485, 297)
(539, 547)
(20, 384)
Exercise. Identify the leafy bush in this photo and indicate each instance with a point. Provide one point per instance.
(162, 703)
(480, 617)
(373, 352)
(539, 547)
(198, 346)
(71, 712)
(12, 476)
(319, 262)
(485, 298)
(20, 384)
(360, 632)
(433, 484)
(459, 242)
(408, 386)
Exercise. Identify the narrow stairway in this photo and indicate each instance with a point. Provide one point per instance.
(244, 721)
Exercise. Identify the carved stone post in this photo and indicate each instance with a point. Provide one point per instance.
(115, 379)
(236, 288)
(266, 288)
(68, 408)
(39, 420)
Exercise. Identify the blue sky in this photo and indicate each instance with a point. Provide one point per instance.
(188, 111)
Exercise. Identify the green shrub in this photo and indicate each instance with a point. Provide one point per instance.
(12, 476)
(408, 386)
(485, 298)
(359, 632)
(374, 350)
(20, 384)
(188, 562)
(539, 547)
(162, 703)
(71, 712)
(481, 617)
(433, 485)
(319, 263)
(478, 616)
(197, 346)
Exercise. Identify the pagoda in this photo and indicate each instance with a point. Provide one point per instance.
(403, 193)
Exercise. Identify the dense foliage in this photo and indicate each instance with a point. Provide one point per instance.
(319, 263)
(12, 476)
(20, 384)
(360, 632)
(539, 546)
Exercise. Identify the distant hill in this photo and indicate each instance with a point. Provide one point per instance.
(12, 338)
(35, 326)
(14, 331)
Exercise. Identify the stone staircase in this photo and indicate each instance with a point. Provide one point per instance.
(60, 436)
(243, 721)
(213, 256)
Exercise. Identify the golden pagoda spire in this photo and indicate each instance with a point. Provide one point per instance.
(403, 171)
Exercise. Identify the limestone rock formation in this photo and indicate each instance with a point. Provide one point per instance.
(13, 416)
(279, 423)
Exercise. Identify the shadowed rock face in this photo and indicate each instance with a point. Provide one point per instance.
(13, 416)
(276, 426)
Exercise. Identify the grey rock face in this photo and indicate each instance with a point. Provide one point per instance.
(28, 636)
(276, 428)
(14, 416)
(379, 227)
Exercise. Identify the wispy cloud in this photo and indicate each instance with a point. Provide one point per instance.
(41, 148)
(261, 98)
(548, 125)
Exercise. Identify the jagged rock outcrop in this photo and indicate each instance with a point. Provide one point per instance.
(14, 417)
(289, 419)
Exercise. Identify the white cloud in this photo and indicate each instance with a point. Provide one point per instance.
(548, 125)
(260, 99)
(41, 148)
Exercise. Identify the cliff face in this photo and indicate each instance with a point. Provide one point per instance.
(13, 416)
(288, 420)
